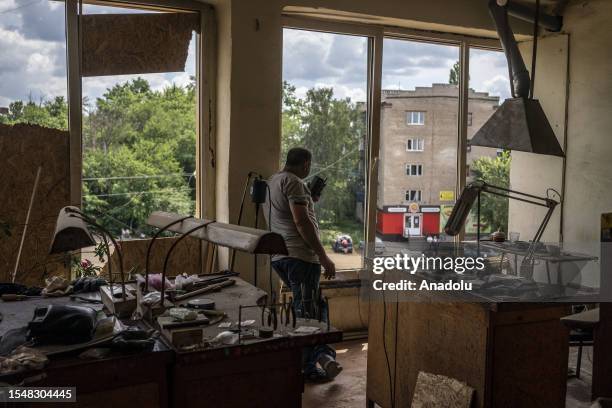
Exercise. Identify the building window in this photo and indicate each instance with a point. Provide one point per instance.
(414, 169)
(415, 118)
(469, 119)
(415, 145)
(413, 195)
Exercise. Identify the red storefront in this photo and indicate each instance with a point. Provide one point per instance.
(390, 222)
(401, 222)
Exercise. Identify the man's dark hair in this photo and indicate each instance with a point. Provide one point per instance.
(297, 156)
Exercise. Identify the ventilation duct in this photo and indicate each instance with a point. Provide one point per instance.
(519, 123)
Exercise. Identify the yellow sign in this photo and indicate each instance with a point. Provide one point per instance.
(447, 195)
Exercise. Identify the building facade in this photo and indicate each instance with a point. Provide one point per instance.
(417, 169)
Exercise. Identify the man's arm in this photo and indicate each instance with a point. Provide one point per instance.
(309, 233)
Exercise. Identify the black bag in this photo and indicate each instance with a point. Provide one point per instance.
(62, 324)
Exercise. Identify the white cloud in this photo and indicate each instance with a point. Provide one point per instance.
(33, 54)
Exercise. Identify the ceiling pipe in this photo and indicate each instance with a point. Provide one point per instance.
(522, 12)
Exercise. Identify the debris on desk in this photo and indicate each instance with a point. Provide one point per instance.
(22, 359)
(88, 284)
(96, 353)
(227, 338)
(57, 286)
(182, 314)
(225, 325)
(306, 330)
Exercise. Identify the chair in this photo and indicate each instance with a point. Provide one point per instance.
(581, 327)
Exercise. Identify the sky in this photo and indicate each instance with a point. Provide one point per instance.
(33, 62)
(33, 54)
(340, 61)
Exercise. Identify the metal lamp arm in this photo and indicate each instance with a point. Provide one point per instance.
(163, 277)
(92, 222)
(149, 248)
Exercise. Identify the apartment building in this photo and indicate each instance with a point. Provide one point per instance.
(418, 156)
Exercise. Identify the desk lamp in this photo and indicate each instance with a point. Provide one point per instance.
(72, 233)
(472, 193)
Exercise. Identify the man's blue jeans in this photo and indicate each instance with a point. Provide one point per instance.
(303, 280)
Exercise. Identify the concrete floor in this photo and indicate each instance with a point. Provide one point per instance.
(349, 388)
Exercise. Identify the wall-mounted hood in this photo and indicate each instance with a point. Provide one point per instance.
(519, 123)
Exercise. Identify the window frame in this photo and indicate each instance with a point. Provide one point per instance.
(410, 117)
(418, 167)
(206, 40)
(418, 141)
(377, 33)
(408, 194)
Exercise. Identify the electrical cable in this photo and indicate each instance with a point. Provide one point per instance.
(384, 338)
(240, 211)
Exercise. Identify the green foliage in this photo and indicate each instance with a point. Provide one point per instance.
(454, 75)
(139, 154)
(51, 114)
(138, 150)
(332, 129)
(494, 171)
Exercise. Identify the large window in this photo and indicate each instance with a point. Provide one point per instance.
(421, 93)
(325, 110)
(417, 89)
(139, 143)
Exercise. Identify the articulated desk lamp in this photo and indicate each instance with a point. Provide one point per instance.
(472, 193)
(251, 240)
(72, 233)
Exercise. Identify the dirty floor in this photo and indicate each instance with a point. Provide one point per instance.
(349, 388)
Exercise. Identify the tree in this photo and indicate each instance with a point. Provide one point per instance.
(51, 114)
(494, 171)
(138, 150)
(139, 154)
(454, 75)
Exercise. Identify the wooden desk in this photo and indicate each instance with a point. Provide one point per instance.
(121, 379)
(255, 373)
(513, 355)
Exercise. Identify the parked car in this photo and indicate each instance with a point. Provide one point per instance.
(379, 246)
(343, 244)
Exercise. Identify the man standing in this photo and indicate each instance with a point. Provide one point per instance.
(292, 215)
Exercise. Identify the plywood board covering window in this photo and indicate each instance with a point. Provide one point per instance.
(121, 44)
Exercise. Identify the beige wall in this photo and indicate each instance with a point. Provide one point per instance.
(534, 173)
(582, 54)
(589, 148)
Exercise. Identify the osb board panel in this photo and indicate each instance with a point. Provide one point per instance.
(23, 148)
(185, 257)
(119, 44)
(434, 391)
(439, 338)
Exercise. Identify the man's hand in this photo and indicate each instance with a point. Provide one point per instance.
(328, 266)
